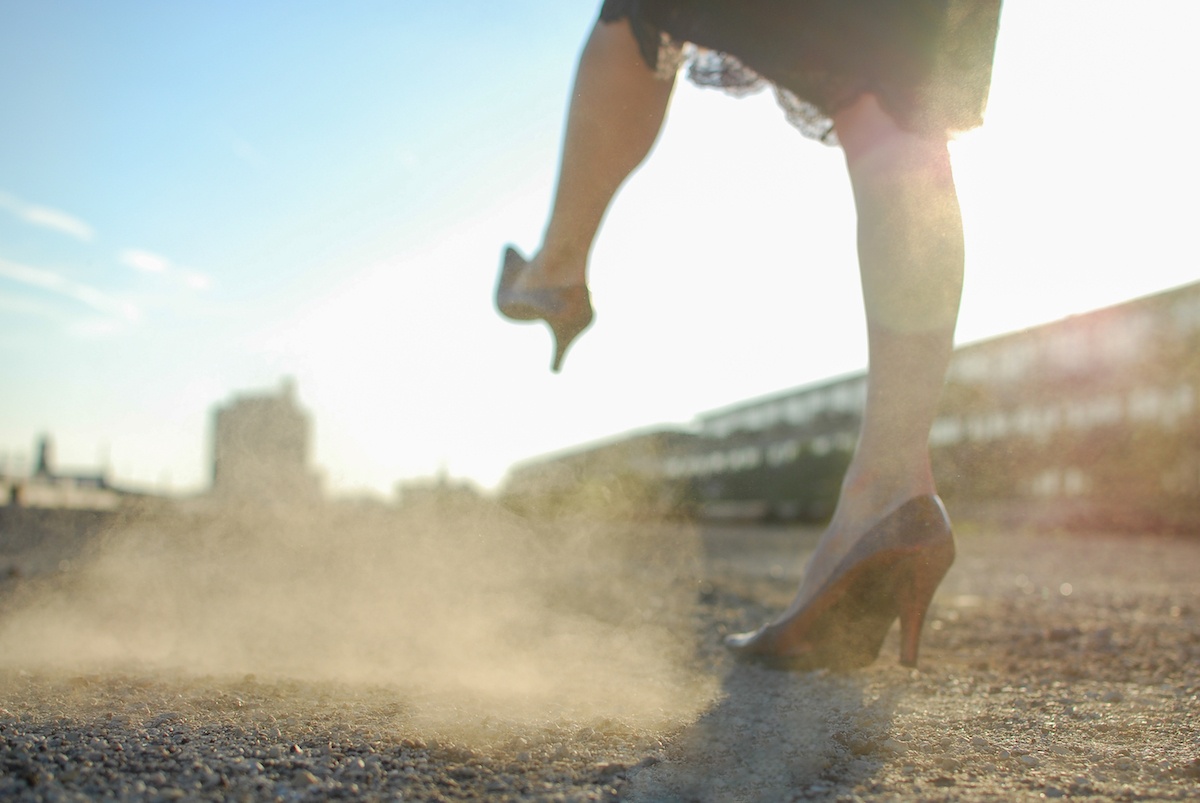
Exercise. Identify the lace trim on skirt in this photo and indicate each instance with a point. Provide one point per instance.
(725, 72)
(711, 68)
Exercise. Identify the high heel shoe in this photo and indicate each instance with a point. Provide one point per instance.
(891, 572)
(567, 310)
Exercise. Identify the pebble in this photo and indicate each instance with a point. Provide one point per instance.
(1029, 761)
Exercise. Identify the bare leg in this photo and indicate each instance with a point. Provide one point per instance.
(617, 109)
(910, 248)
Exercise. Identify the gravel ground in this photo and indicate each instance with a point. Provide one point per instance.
(1053, 666)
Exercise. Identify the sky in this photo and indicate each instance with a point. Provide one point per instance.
(201, 198)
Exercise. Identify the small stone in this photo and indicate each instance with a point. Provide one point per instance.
(895, 747)
(950, 764)
(1029, 761)
(1112, 696)
(978, 741)
(609, 769)
(1061, 634)
(1054, 791)
(861, 745)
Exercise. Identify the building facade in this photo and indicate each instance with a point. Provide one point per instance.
(261, 445)
(1095, 417)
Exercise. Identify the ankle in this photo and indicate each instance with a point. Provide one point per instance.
(869, 494)
(560, 266)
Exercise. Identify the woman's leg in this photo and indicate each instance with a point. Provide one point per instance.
(910, 250)
(617, 109)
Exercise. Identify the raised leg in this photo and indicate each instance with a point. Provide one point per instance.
(617, 109)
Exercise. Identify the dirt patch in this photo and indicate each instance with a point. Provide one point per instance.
(1053, 666)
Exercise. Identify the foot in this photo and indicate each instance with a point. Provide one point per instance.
(864, 502)
(892, 571)
(523, 295)
(546, 271)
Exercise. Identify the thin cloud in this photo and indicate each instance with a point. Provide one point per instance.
(149, 262)
(197, 281)
(87, 295)
(145, 261)
(46, 217)
(13, 304)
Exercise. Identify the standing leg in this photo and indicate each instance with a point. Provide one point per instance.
(910, 248)
(617, 109)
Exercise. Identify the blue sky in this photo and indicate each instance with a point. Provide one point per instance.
(200, 198)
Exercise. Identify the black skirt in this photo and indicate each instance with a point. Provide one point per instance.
(928, 61)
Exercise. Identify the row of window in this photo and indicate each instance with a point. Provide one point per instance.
(743, 458)
(1163, 407)
(1120, 336)
(845, 396)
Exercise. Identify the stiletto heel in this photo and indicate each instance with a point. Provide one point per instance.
(567, 310)
(893, 571)
(928, 569)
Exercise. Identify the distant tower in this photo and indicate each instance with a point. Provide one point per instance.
(261, 447)
(45, 458)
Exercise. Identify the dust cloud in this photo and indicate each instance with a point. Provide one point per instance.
(467, 613)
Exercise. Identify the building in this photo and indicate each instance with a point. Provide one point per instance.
(1092, 418)
(1096, 416)
(261, 445)
(50, 487)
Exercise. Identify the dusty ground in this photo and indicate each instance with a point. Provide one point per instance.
(1053, 666)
